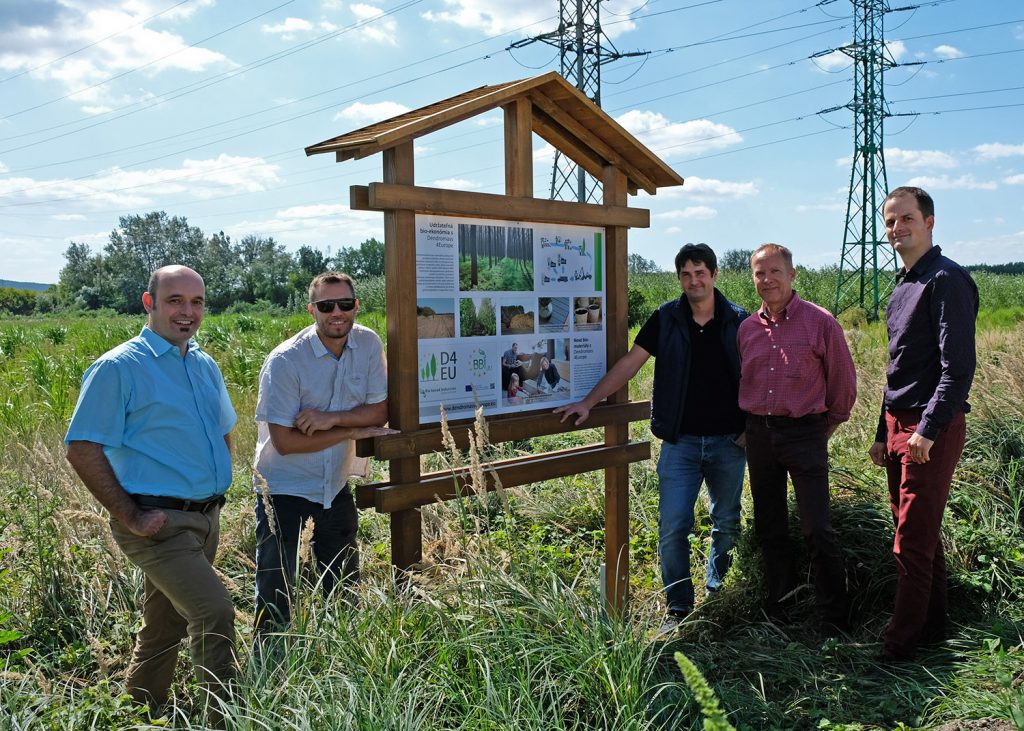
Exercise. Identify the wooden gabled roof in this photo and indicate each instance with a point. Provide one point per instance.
(561, 115)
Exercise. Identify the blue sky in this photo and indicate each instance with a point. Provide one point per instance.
(201, 108)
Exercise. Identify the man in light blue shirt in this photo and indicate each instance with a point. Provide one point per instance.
(150, 438)
(319, 391)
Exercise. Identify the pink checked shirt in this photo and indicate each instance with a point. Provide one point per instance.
(796, 366)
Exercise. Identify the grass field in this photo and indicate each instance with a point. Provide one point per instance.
(502, 628)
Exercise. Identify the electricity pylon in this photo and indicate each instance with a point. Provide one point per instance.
(583, 50)
(867, 267)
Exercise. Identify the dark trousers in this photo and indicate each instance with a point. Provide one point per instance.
(333, 548)
(797, 448)
(917, 496)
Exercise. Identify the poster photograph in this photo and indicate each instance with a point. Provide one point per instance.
(510, 315)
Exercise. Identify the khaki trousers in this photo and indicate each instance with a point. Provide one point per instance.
(183, 596)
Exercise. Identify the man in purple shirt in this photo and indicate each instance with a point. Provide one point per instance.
(797, 385)
(930, 319)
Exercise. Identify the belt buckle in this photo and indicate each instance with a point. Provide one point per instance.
(185, 505)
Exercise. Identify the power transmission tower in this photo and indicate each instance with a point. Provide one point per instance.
(867, 267)
(583, 50)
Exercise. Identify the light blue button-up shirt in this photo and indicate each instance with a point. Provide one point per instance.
(161, 418)
(301, 373)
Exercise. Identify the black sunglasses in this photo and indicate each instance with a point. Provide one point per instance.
(345, 305)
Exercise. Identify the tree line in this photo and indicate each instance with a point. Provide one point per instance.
(254, 269)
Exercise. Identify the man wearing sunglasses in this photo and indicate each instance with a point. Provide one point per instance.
(319, 391)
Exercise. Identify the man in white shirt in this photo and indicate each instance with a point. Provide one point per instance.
(319, 391)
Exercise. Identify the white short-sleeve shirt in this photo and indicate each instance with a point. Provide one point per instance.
(299, 374)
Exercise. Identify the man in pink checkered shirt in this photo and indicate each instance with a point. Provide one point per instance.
(797, 385)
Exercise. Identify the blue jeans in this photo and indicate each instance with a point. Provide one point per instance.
(682, 466)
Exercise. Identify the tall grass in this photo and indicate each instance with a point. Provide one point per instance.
(501, 627)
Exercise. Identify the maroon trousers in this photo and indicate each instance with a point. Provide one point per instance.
(917, 496)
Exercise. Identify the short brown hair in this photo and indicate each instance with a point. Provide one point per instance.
(924, 201)
(773, 250)
(331, 278)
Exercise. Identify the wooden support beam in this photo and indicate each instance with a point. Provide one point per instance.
(502, 428)
(519, 148)
(616, 479)
(403, 349)
(567, 143)
(445, 485)
(559, 115)
(385, 196)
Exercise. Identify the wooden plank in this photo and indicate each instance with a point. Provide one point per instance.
(585, 135)
(500, 429)
(402, 349)
(458, 111)
(520, 471)
(616, 478)
(384, 196)
(570, 98)
(567, 143)
(519, 148)
(359, 198)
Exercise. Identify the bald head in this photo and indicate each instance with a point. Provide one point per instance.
(171, 270)
(176, 303)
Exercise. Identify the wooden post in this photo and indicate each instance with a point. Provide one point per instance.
(616, 479)
(403, 353)
(519, 148)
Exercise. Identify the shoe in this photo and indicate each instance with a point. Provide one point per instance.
(673, 619)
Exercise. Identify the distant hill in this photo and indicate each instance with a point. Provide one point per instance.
(38, 286)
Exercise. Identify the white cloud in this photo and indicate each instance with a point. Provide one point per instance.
(699, 135)
(288, 28)
(897, 49)
(46, 31)
(384, 30)
(492, 17)
(944, 182)
(490, 119)
(987, 250)
(945, 51)
(713, 188)
(68, 217)
(456, 184)
(917, 159)
(328, 26)
(200, 179)
(690, 213)
(831, 62)
(360, 113)
(1014, 179)
(826, 207)
(317, 224)
(673, 230)
(544, 154)
(996, 150)
(3, 168)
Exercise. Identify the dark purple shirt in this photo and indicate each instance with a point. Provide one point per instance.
(930, 319)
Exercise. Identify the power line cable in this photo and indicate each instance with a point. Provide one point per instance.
(146, 65)
(206, 83)
(720, 63)
(250, 115)
(69, 54)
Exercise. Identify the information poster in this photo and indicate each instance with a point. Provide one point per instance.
(509, 315)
